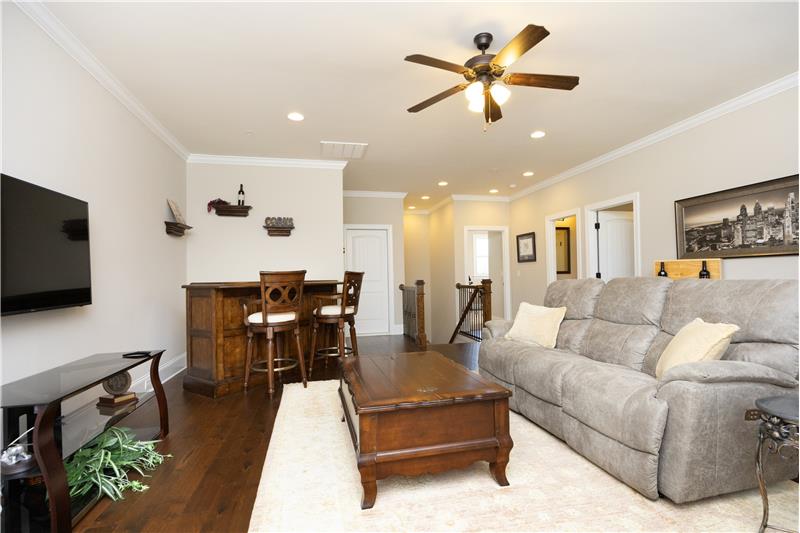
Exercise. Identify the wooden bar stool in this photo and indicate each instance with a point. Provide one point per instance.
(280, 304)
(336, 309)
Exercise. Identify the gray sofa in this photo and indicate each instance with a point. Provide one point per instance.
(683, 436)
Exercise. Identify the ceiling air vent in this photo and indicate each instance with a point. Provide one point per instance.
(342, 150)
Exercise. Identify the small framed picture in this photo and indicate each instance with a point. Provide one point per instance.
(176, 212)
(526, 248)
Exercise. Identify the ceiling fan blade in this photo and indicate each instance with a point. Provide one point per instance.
(491, 109)
(494, 109)
(529, 37)
(548, 81)
(441, 96)
(438, 63)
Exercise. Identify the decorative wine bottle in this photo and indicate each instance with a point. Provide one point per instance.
(240, 196)
(662, 273)
(704, 273)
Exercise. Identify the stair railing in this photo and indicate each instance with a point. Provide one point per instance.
(475, 309)
(414, 312)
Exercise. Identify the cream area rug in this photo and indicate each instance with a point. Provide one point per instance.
(310, 483)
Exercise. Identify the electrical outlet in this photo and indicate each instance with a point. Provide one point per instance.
(752, 414)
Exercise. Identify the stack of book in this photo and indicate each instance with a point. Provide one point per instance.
(114, 404)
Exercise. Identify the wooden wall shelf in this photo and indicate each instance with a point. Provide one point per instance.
(233, 210)
(176, 229)
(689, 268)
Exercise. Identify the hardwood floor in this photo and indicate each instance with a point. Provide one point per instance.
(218, 449)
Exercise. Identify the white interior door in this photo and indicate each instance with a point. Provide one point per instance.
(616, 244)
(367, 251)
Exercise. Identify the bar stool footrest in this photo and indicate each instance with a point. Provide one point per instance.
(332, 351)
(261, 366)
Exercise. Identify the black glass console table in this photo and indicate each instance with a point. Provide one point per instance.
(37, 400)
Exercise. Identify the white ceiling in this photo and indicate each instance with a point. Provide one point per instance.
(213, 72)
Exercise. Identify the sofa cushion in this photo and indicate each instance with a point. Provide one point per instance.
(626, 321)
(537, 325)
(696, 341)
(572, 334)
(498, 356)
(620, 344)
(634, 301)
(618, 402)
(766, 312)
(579, 296)
(541, 373)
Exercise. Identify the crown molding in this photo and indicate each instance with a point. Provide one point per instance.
(275, 162)
(749, 98)
(54, 28)
(374, 194)
(480, 198)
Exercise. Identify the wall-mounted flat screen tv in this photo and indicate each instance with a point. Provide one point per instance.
(44, 247)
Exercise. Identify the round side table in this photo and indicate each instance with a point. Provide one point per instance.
(778, 429)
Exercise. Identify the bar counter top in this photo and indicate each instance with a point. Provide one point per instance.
(250, 284)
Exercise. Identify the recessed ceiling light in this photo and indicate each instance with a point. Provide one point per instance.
(426, 197)
(527, 174)
(294, 116)
(248, 132)
(493, 191)
(442, 184)
(412, 207)
(513, 185)
(538, 134)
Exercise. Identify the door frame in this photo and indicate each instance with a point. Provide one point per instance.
(506, 264)
(589, 214)
(550, 242)
(390, 258)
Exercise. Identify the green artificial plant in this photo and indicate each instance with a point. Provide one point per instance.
(103, 464)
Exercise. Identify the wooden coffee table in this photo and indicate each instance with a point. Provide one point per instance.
(421, 413)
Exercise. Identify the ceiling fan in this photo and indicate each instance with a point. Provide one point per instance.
(486, 76)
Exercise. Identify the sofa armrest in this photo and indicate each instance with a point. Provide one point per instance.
(497, 328)
(708, 444)
(727, 372)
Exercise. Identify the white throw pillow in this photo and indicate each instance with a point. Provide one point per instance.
(696, 341)
(537, 325)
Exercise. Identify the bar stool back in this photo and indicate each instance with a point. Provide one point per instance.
(337, 309)
(280, 305)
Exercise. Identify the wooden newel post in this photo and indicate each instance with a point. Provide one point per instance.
(422, 338)
(487, 299)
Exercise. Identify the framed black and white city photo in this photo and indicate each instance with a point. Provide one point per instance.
(526, 248)
(754, 220)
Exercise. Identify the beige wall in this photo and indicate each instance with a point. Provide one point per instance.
(569, 223)
(236, 249)
(417, 244)
(477, 213)
(753, 144)
(442, 287)
(63, 131)
(383, 211)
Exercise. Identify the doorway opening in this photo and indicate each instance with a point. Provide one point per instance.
(563, 245)
(614, 250)
(486, 257)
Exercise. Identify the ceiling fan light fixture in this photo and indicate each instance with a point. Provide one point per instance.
(500, 93)
(476, 106)
(474, 92)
